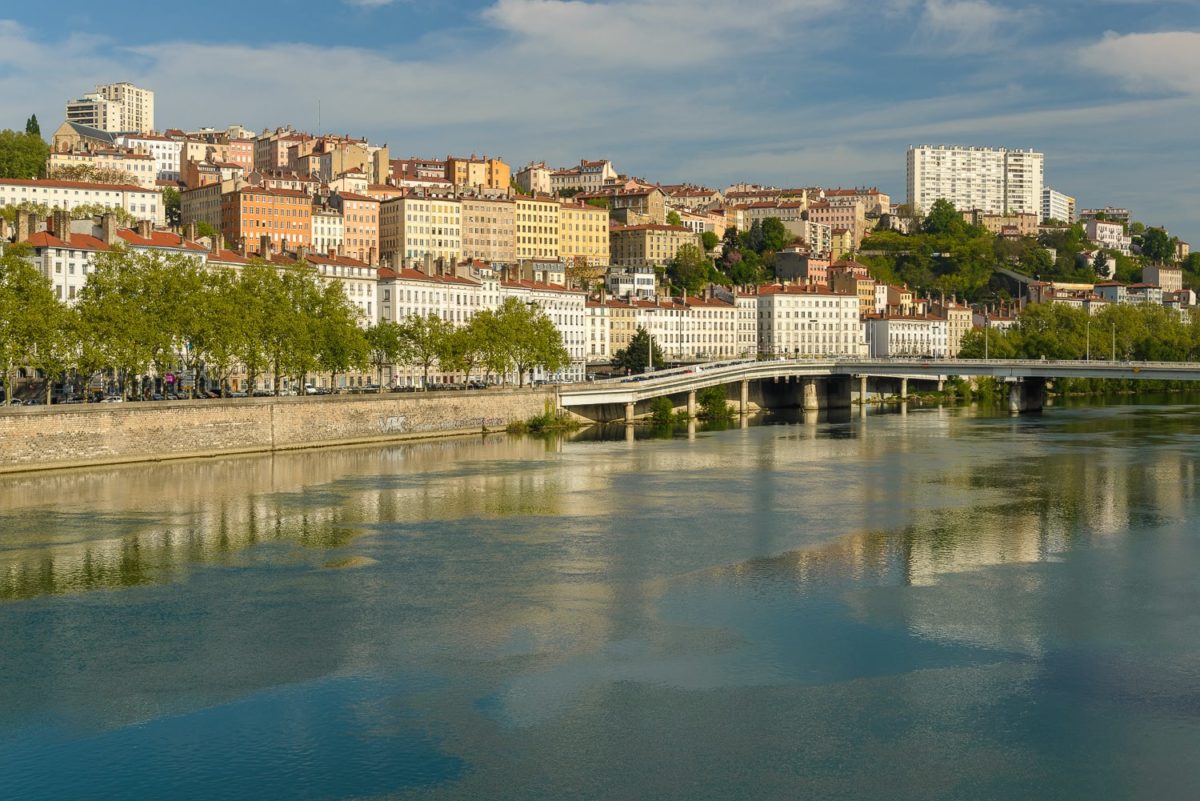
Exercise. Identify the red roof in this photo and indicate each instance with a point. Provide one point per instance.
(54, 184)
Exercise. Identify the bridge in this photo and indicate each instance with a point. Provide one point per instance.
(813, 384)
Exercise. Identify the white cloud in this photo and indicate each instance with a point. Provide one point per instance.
(960, 26)
(1167, 61)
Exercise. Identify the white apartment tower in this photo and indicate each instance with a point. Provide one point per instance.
(116, 108)
(1057, 206)
(994, 180)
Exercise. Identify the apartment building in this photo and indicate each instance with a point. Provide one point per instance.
(534, 179)
(283, 216)
(648, 245)
(907, 335)
(846, 216)
(1109, 235)
(489, 231)
(1057, 206)
(538, 227)
(994, 180)
(479, 173)
(139, 168)
(357, 278)
(328, 230)
(583, 234)
(808, 320)
(114, 107)
(164, 150)
(360, 225)
(140, 202)
(589, 176)
(416, 226)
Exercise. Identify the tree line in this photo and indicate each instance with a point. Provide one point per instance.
(141, 314)
(1125, 332)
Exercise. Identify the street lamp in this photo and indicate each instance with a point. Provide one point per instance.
(1088, 354)
(1114, 342)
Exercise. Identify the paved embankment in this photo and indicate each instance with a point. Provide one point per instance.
(40, 438)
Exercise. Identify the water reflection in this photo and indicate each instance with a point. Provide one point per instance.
(512, 618)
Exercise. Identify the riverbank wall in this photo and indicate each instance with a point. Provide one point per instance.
(59, 437)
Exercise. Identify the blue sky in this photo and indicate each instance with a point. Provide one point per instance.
(795, 92)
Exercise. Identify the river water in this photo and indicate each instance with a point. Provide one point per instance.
(944, 604)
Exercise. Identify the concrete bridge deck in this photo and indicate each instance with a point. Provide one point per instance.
(1026, 376)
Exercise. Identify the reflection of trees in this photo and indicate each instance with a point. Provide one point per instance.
(139, 525)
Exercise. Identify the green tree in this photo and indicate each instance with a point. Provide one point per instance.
(22, 155)
(464, 348)
(32, 127)
(425, 340)
(532, 339)
(636, 357)
(943, 218)
(171, 201)
(775, 235)
(673, 218)
(1100, 263)
(31, 321)
(710, 240)
(387, 346)
(1157, 245)
(690, 269)
(342, 345)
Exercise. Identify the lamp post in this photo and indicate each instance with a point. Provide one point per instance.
(1088, 353)
(986, 330)
(1114, 342)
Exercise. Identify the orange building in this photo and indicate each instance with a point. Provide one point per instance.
(360, 216)
(283, 215)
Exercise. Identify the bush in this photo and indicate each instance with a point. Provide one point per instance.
(661, 411)
(713, 404)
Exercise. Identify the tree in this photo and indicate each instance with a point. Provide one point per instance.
(22, 155)
(775, 235)
(1100, 263)
(690, 269)
(635, 357)
(673, 218)
(753, 238)
(89, 173)
(171, 205)
(532, 339)
(710, 240)
(386, 344)
(204, 229)
(30, 321)
(32, 128)
(341, 344)
(943, 218)
(1157, 245)
(425, 340)
(464, 348)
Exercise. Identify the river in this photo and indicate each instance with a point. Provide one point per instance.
(942, 604)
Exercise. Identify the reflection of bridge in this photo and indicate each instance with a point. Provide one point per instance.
(814, 384)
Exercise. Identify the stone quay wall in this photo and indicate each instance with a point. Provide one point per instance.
(40, 438)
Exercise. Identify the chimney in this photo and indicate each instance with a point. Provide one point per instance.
(241, 246)
(144, 228)
(264, 246)
(108, 228)
(191, 231)
(371, 257)
(217, 244)
(34, 224)
(62, 226)
(427, 267)
(302, 252)
(333, 253)
(23, 231)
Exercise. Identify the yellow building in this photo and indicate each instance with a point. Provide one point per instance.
(537, 227)
(480, 173)
(583, 234)
(649, 245)
(416, 225)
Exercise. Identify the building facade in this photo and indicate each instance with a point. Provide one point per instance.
(994, 180)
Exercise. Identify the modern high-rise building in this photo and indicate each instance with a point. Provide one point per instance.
(1057, 206)
(993, 180)
(115, 107)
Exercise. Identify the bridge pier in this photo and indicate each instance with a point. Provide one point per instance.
(903, 389)
(630, 412)
(809, 399)
(691, 404)
(744, 407)
(1026, 395)
(862, 390)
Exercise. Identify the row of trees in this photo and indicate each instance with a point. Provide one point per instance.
(1058, 331)
(140, 312)
(23, 154)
